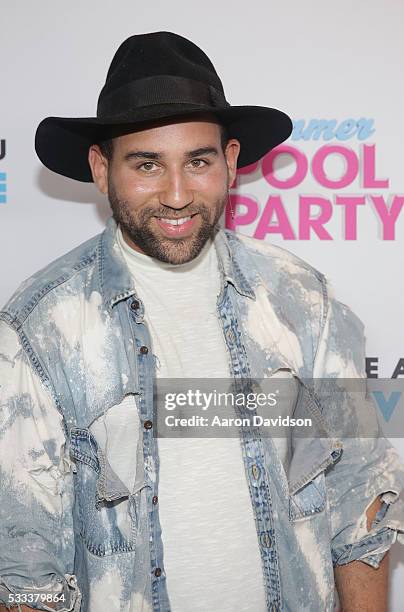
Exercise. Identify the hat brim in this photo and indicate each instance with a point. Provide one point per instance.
(62, 143)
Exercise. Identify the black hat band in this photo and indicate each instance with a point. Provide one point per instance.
(162, 89)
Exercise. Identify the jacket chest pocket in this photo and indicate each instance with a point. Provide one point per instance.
(308, 492)
(302, 498)
(312, 454)
(109, 499)
(309, 500)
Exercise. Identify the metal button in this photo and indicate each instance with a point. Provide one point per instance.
(255, 471)
(147, 424)
(157, 572)
(230, 335)
(135, 304)
(154, 499)
(266, 540)
(144, 350)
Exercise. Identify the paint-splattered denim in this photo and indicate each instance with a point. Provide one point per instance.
(72, 356)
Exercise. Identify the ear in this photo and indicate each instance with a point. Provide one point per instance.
(99, 168)
(231, 154)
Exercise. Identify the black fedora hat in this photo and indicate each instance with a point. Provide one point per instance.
(156, 76)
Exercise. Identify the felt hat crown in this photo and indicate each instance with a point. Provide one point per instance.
(155, 76)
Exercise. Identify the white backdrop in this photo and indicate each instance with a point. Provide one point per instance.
(341, 63)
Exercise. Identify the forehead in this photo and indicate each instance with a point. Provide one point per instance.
(185, 132)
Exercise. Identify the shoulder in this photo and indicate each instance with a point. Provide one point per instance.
(59, 274)
(271, 258)
(305, 298)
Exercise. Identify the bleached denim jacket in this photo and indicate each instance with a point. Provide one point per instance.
(72, 341)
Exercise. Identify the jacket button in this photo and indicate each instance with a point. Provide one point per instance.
(157, 572)
(144, 350)
(266, 540)
(135, 305)
(231, 336)
(147, 424)
(154, 499)
(255, 471)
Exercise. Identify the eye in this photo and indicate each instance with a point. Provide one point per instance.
(198, 163)
(147, 166)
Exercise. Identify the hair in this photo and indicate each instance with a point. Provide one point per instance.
(107, 144)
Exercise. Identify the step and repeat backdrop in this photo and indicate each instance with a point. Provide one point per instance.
(332, 194)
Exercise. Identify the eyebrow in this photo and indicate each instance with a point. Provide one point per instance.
(201, 151)
(142, 155)
(155, 155)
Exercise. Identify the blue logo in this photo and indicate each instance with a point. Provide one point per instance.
(3, 176)
(387, 405)
(3, 188)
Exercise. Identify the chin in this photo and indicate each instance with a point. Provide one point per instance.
(182, 251)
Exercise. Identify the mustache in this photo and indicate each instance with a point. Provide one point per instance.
(174, 214)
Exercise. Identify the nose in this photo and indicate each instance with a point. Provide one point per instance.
(176, 192)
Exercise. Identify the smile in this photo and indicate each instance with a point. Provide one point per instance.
(178, 221)
(177, 227)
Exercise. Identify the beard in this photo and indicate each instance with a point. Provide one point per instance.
(138, 227)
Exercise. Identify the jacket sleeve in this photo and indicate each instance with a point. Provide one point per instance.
(36, 487)
(369, 465)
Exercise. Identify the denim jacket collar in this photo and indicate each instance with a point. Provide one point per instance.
(116, 282)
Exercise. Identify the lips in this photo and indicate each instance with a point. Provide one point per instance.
(179, 221)
(177, 226)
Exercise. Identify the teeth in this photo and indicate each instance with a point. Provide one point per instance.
(176, 221)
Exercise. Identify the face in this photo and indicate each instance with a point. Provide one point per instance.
(168, 186)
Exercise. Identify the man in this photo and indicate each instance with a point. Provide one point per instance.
(99, 513)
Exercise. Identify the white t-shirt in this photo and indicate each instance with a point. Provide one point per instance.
(211, 551)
